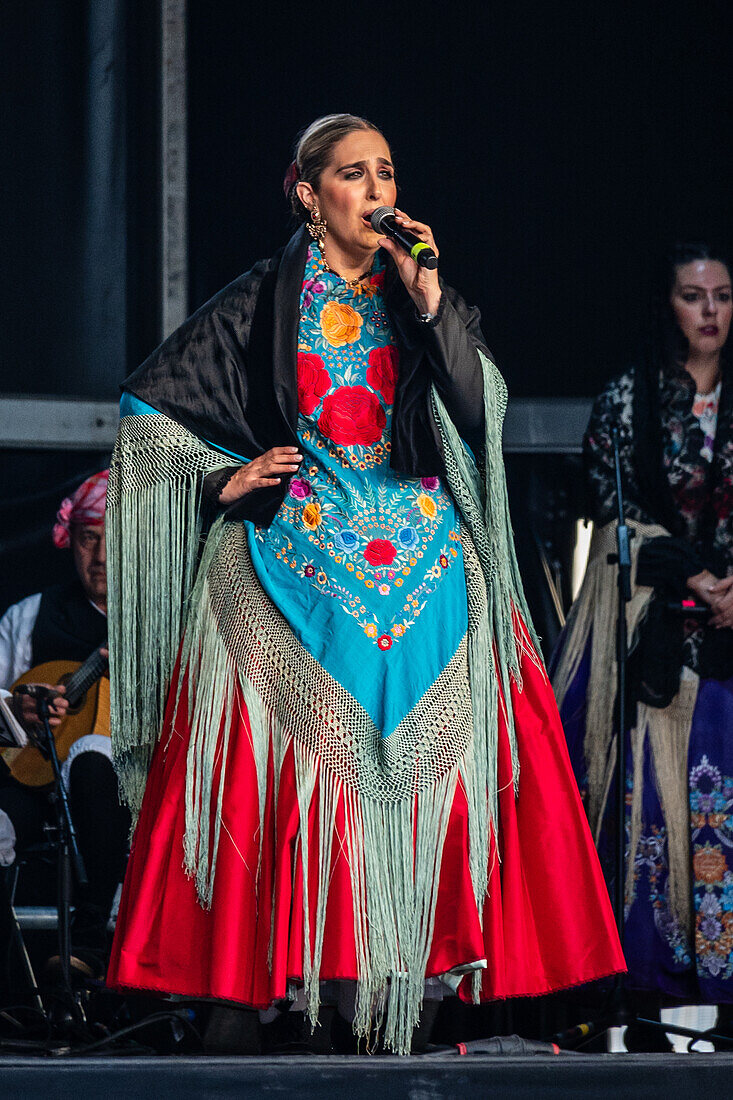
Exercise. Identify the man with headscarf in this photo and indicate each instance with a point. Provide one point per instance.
(67, 622)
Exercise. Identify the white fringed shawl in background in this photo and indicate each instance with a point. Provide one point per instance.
(593, 616)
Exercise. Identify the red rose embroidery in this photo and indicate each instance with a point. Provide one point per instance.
(384, 642)
(380, 552)
(353, 414)
(377, 279)
(313, 382)
(382, 371)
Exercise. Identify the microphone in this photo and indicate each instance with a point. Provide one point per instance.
(689, 608)
(384, 222)
(37, 691)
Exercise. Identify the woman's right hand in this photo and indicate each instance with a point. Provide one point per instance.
(702, 585)
(262, 472)
(722, 594)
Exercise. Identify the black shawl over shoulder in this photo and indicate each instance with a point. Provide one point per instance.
(228, 374)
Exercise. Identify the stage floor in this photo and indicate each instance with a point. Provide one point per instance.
(667, 1076)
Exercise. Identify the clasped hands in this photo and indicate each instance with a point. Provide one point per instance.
(717, 594)
(25, 706)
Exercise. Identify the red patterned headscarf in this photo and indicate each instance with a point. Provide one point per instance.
(86, 505)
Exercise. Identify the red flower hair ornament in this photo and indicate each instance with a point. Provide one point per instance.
(291, 178)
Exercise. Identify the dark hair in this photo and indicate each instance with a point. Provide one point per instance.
(313, 150)
(666, 351)
(669, 346)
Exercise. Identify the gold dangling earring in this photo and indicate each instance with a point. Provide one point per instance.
(317, 227)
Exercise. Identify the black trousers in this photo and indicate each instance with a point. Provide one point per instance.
(102, 825)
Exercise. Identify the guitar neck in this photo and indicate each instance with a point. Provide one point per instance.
(78, 684)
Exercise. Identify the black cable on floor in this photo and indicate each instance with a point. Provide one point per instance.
(180, 1017)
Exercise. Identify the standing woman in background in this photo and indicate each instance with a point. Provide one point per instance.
(358, 725)
(674, 416)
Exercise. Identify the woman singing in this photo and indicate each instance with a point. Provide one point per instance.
(356, 768)
(674, 416)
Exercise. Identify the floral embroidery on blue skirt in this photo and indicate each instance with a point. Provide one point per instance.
(659, 952)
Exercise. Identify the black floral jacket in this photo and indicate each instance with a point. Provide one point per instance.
(688, 495)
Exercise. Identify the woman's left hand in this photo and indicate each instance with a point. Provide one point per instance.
(722, 603)
(422, 285)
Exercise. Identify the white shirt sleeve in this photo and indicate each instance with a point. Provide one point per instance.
(16, 630)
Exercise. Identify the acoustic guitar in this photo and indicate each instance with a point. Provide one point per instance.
(87, 689)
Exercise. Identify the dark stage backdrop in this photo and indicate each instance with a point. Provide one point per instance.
(552, 147)
(78, 233)
(63, 266)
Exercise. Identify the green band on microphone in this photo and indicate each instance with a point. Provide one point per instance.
(419, 247)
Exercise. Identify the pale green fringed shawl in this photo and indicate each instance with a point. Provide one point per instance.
(397, 792)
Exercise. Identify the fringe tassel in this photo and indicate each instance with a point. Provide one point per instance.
(479, 767)
(484, 506)
(146, 617)
(668, 730)
(596, 609)
(394, 849)
(495, 645)
(638, 740)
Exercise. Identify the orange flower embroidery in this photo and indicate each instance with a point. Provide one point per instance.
(427, 506)
(312, 515)
(709, 864)
(340, 324)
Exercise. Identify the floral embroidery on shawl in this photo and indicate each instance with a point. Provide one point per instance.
(378, 545)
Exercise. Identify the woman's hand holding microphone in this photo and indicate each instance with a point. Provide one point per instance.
(421, 283)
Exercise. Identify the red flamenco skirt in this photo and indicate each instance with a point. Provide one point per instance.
(547, 921)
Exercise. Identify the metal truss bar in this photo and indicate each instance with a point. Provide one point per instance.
(173, 153)
(58, 424)
(533, 426)
(546, 425)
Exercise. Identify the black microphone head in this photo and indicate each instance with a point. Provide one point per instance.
(379, 214)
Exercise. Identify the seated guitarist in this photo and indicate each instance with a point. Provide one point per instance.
(67, 622)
